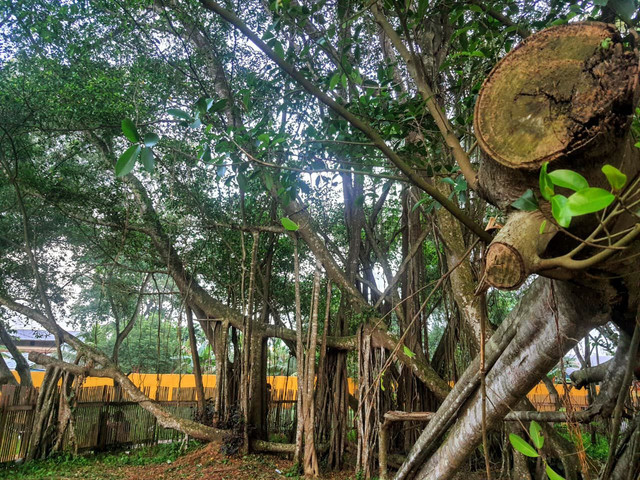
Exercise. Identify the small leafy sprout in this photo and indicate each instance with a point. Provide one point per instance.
(408, 352)
(289, 224)
(583, 201)
(141, 149)
(546, 185)
(615, 177)
(527, 202)
(543, 225)
(522, 446)
(606, 43)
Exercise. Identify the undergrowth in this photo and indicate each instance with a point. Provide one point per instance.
(597, 451)
(66, 464)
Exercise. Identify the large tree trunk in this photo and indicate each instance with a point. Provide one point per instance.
(543, 335)
(575, 115)
(44, 425)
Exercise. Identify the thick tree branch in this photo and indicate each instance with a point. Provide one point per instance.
(165, 419)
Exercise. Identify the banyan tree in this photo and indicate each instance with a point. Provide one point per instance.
(359, 178)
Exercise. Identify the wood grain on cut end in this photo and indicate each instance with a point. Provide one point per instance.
(561, 91)
(505, 268)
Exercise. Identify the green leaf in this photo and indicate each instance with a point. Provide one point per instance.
(333, 83)
(277, 48)
(127, 160)
(151, 139)
(552, 474)
(543, 225)
(268, 181)
(408, 352)
(289, 224)
(420, 202)
(616, 178)
(174, 112)
(205, 156)
(535, 430)
(546, 185)
(148, 161)
(560, 211)
(521, 446)
(526, 202)
(204, 104)
(589, 200)
(218, 106)
(196, 122)
(568, 179)
(129, 130)
(448, 180)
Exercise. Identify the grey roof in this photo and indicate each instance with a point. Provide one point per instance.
(41, 335)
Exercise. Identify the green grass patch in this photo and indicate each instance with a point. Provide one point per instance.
(87, 466)
(598, 450)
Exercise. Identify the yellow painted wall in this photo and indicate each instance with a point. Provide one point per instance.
(278, 383)
(175, 380)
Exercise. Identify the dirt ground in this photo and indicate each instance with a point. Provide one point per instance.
(205, 462)
(208, 463)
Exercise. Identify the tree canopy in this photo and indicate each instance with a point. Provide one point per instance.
(307, 179)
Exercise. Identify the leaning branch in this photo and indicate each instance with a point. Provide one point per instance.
(446, 129)
(165, 419)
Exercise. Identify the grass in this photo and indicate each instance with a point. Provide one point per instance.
(598, 450)
(95, 466)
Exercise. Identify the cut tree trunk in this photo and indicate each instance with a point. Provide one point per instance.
(563, 96)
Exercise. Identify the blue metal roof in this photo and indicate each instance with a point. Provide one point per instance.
(41, 335)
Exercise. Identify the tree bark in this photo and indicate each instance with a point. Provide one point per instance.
(42, 435)
(197, 371)
(542, 337)
(6, 377)
(310, 455)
